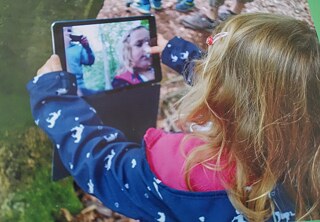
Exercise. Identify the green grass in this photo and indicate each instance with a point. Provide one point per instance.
(27, 192)
(15, 111)
(42, 200)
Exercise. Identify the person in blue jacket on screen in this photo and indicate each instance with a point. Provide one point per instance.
(78, 54)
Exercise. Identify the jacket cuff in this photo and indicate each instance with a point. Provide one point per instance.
(179, 51)
(54, 83)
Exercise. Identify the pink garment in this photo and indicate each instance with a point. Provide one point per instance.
(166, 160)
(129, 77)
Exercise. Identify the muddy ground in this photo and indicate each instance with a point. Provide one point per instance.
(168, 20)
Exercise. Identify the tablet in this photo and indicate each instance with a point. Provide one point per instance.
(108, 54)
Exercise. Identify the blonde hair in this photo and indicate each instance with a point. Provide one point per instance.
(260, 87)
(126, 50)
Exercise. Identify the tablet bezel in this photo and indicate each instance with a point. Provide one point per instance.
(59, 48)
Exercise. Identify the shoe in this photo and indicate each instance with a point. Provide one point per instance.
(142, 8)
(199, 22)
(184, 6)
(225, 15)
(157, 5)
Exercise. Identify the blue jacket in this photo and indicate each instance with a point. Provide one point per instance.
(77, 56)
(116, 171)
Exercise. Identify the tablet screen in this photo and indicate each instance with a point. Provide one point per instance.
(108, 54)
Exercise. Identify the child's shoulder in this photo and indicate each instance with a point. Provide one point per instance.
(166, 154)
(159, 137)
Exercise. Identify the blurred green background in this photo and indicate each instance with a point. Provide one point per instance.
(26, 190)
(25, 43)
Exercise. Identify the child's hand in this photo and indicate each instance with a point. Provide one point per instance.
(53, 64)
(161, 44)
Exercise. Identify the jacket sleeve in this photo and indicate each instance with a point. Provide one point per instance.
(180, 55)
(99, 158)
(87, 56)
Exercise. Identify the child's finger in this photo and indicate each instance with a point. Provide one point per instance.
(162, 42)
(155, 49)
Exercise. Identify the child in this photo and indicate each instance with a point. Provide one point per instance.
(144, 6)
(259, 160)
(136, 59)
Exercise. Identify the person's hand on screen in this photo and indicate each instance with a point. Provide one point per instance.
(84, 42)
